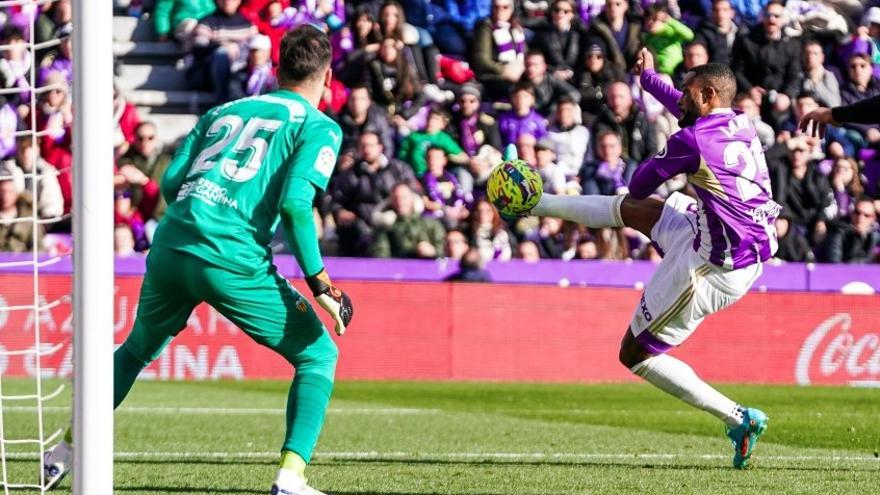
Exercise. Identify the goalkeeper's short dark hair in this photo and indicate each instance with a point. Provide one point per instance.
(304, 54)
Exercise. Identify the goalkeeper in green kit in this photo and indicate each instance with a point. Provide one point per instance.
(247, 165)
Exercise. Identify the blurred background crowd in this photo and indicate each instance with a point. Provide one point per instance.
(428, 92)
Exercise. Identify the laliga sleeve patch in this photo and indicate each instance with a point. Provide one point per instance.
(326, 161)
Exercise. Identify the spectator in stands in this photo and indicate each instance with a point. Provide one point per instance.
(860, 85)
(178, 19)
(767, 64)
(455, 245)
(410, 235)
(499, 49)
(523, 118)
(220, 47)
(817, 79)
(596, 75)
(548, 89)
(418, 41)
(54, 119)
(127, 120)
(528, 252)
(8, 127)
(359, 116)
(50, 199)
(664, 36)
(855, 241)
(125, 213)
(553, 174)
(610, 173)
(60, 60)
(472, 127)
(748, 106)
(148, 157)
(356, 192)
(414, 147)
(570, 139)
(257, 77)
(15, 67)
(123, 241)
(793, 246)
(549, 238)
(453, 32)
(846, 184)
(394, 83)
(803, 190)
(366, 40)
(620, 115)
(17, 235)
(562, 42)
(719, 32)
(586, 249)
(488, 233)
(526, 148)
(444, 198)
(695, 53)
(620, 33)
(470, 269)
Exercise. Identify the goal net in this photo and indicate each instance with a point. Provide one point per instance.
(55, 240)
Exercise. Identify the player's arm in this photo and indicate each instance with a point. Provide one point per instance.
(681, 155)
(182, 161)
(656, 87)
(309, 171)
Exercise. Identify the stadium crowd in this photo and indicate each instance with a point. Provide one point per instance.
(428, 92)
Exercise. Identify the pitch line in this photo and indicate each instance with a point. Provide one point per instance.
(438, 456)
(235, 411)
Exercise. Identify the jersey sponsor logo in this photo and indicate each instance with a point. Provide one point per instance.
(644, 306)
(326, 161)
(208, 191)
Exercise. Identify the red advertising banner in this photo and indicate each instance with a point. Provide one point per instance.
(437, 331)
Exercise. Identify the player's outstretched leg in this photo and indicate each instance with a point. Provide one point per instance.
(676, 378)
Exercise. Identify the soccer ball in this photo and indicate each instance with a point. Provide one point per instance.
(514, 188)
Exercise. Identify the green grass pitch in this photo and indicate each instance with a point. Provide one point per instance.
(464, 438)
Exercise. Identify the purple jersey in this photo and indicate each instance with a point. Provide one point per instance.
(724, 161)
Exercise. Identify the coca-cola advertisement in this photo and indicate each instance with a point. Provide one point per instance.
(444, 331)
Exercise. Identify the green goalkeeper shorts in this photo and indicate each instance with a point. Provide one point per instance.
(264, 306)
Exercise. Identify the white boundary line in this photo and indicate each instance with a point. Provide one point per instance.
(500, 456)
(236, 411)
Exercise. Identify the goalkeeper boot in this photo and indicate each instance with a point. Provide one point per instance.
(56, 464)
(745, 436)
(289, 482)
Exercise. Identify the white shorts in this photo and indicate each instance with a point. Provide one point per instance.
(685, 287)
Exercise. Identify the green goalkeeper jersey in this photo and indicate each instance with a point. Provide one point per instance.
(229, 178)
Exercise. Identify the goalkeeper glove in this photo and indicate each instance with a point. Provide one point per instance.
(332, 299)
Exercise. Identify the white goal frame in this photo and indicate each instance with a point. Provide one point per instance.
(93, 290)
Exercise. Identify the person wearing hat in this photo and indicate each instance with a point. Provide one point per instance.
(552, 173)
(61, 60)
(257, 77)
(595, 74)
(472, 127)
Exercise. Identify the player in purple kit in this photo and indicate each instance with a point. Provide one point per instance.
(714, 245)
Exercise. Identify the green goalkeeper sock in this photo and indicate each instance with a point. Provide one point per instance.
(292, 461)
(126, 368)
(306, 405)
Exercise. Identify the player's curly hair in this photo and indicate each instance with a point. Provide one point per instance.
(304, 54)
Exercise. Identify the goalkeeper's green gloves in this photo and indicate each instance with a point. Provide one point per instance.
(332, 299)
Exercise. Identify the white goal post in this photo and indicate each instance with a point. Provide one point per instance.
(93, 246)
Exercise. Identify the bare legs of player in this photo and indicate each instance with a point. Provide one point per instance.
(667, 373)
